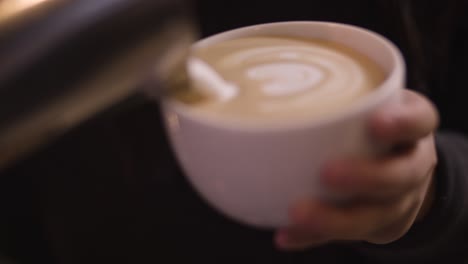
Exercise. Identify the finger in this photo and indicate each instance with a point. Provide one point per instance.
(417, 206)
(292, 239)
(353, 223)
(412, 118)
(387, 177)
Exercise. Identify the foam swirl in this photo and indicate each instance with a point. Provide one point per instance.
(284, 77)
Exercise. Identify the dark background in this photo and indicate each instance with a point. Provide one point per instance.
(110, 191)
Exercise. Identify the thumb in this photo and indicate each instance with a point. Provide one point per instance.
(410, 119)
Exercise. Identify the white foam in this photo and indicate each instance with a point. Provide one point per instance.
(285, 78)
(289, 55)
(281, 78)
(208, 82)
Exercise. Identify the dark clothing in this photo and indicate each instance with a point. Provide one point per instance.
(111, 191)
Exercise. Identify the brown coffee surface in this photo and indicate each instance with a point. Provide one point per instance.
(284, 78)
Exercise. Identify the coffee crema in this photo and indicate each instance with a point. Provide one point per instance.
(284, 78)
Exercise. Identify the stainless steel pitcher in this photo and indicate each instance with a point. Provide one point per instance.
(62, 61)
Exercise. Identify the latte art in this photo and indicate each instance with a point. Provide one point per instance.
(285, 78)
(282, 78)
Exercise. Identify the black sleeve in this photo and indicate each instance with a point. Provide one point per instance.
(443, 236)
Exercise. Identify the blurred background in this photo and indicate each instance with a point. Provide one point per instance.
(86, 173)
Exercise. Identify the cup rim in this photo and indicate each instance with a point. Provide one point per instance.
(393, 82)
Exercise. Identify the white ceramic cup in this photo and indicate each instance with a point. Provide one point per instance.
(254, 173)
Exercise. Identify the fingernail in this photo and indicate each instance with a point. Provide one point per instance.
(388, 115)
(282, 239)
(384, 123)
